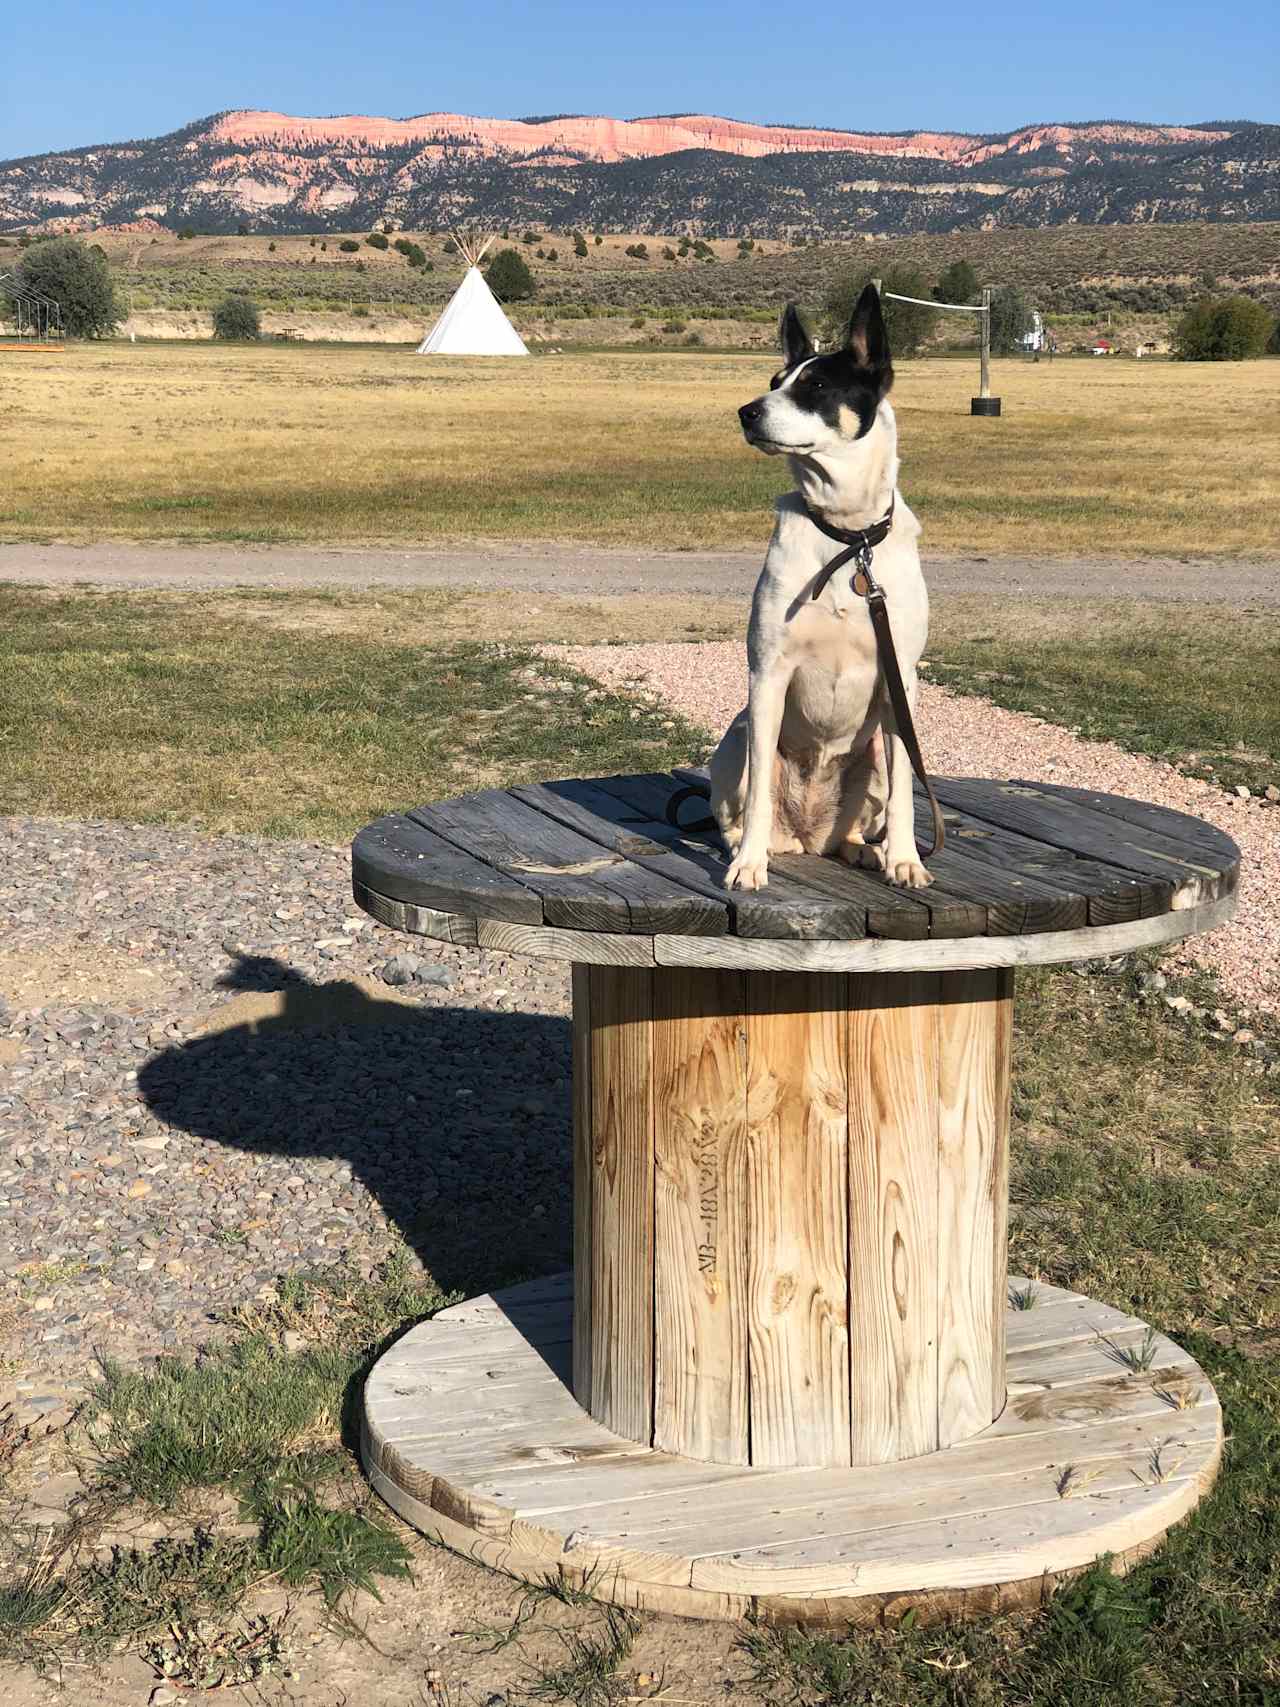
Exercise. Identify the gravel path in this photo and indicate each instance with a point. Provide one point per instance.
(578, 570)
(971, 737)
(180, 1121)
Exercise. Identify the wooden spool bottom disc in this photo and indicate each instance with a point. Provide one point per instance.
(472, 1434)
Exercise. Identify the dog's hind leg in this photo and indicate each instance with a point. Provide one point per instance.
(860, 819)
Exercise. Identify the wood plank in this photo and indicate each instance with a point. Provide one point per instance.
(622, 1253)
(905, 914)
(589, 810)
(735, 1522)
(879, 954)
(700, 1231)
(582, 885)
(1013, 901)
(893, 1187)
(1002, 1065)
(421, 921)
(797, 1165)
(592, 948)
(786, 908)
(1197, 877)
(971, 1123)
(400, 858)
(583, 1177)
(1198, 834)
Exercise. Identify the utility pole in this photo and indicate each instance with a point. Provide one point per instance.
(984, 403)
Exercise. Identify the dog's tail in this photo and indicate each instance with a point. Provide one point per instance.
(691, 791)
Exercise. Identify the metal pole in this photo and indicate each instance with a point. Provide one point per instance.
(984, 387)
(879, 284)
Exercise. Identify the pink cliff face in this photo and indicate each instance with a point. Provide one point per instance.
(607, 140)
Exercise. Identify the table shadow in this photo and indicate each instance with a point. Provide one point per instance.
(455, 1119)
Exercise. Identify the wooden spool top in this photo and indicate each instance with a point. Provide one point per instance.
(590, 870)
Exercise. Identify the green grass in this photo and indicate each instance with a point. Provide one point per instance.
(193, 711)
(1191, 684)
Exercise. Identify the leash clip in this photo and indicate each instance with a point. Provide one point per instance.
(864, 582)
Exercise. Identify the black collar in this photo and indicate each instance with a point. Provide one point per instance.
(860, 543)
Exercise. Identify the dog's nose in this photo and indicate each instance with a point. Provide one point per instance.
(750, 413)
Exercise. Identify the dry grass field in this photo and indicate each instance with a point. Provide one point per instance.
(274, 443)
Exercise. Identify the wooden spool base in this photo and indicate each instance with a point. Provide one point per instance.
(471, 1434)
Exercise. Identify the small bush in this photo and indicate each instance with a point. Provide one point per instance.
(1223, 329)
(360, 311)
(508, 276)
(673, 326)
(637, 322)
(579, 244)
(377, 240)
(450, 247)
(236, 319)
(553, 254)
(599, 240)
(668, 253)
(349, 246)
(271, 248)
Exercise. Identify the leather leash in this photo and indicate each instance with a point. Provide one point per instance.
(860, 543)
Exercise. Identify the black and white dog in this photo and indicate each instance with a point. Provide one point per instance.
(815, 764)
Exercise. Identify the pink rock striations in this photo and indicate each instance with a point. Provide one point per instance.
(607, 140)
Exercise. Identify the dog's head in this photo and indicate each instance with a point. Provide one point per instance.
(820, 404)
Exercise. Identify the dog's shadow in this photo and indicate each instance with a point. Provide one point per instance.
(455, 1119)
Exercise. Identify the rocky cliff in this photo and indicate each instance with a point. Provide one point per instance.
(691, 172)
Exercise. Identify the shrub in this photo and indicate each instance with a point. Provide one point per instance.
(360, 311)
(508, 276)
(349, 246)
(637, 322)
(1223, 329)
(377, 240)
(236, 318)
(187, 232)
(673, 326)
(668, 253)
(412, 252)
(530, 237)
(958, 283)
(907, 324)
(553, 254)
(579, 244)
(450, 247)
(78, 279)
(599, 240)
(638, 251)
(242, 230)
(271, 248)
(1010, 318)
(323, 247)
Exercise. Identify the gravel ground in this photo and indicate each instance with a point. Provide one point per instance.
(180, 1120)
(971, 737)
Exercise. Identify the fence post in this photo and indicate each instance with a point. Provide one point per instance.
(984, 386)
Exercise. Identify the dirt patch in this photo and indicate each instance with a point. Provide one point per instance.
(73, 974)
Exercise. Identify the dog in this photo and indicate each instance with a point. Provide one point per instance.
(815, 763)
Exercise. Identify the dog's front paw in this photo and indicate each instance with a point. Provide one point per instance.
(749, 871)
(908, 874)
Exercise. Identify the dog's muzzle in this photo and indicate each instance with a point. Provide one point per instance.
(750, 414)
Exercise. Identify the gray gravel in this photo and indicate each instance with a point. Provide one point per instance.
(206, 1079)
(541, 567)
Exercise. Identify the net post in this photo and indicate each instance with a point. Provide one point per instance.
(984, 387)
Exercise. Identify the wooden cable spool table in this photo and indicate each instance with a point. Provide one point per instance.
(789, 1373)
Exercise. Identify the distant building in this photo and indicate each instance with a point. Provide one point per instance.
(1101, 347)
(1034, 340)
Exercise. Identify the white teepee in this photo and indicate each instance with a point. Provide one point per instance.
(472, 323)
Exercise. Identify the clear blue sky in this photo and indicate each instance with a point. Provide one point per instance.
(103, 71)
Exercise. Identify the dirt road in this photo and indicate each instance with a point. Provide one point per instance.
(574, 569)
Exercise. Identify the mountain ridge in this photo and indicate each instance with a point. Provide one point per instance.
(693, 172)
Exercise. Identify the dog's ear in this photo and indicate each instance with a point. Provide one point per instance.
(797, 346)
(866, 339)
